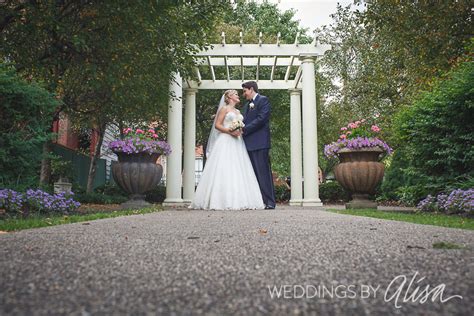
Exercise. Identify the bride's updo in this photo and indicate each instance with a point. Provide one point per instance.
(227, 95)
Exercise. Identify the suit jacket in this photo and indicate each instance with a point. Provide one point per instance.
(257, 124)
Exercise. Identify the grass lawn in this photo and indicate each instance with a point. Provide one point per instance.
(12, 224)
(452, 221)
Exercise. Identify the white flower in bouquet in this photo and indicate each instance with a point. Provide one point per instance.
(235, 125)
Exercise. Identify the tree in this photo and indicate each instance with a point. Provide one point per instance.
(384, 55)
(436, 136)
(24, 125)
(109, 61)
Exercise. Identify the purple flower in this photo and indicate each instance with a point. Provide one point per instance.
(332, 150)
(457, 201)
(37, 201)
(136, 145)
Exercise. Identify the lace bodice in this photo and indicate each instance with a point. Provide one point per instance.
(232, 116)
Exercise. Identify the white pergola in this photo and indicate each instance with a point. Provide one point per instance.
(301, 87)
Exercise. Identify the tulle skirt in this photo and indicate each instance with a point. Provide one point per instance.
(228, 181)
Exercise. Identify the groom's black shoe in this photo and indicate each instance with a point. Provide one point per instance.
(268, 207)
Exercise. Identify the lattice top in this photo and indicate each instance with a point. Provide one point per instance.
(273, 66)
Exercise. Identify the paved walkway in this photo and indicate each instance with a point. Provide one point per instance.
(223, 263)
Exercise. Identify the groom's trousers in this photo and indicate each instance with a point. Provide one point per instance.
(261, 165)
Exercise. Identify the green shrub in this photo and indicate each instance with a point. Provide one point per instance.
(110, 189)
(97, 198)
(406, 184)
(157, 195)
(26, 115)
(435, 141)
(332, 191)
(282, 193)
(61, 168)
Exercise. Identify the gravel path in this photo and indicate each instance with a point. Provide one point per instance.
(226, 263)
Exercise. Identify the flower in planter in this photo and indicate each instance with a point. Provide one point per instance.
(140, 141)
(357, 135)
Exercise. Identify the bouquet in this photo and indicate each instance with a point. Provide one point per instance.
(236, 125)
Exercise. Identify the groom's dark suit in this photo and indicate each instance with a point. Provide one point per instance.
(256, 135)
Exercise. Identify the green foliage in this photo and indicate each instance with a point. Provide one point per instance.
(447, 245)
(110, 189)
(282, 193)
(252, 18)
(105, 194)
(98, 198)
(436, 139)
(424, 38)
(109, 61)
(442, 220)
(383, 55)
(105, 57)
(438, 127)
(156, 195)
(332, 191)
(15, 224)
(25, 117)
(61, 168)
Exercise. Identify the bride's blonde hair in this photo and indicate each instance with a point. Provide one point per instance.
(227, 95)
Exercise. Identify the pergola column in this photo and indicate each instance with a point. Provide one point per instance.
(173, 164)
(189, 145)
(310, 138)
(295, 142)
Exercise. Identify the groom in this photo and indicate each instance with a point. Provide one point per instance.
(256, 134)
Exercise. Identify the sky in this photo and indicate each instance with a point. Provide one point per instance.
(311, 13)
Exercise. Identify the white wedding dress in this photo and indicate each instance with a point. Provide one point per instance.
(228, 181)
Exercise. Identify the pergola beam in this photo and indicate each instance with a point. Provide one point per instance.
(250, 61)
(288, 70)
(297, 78)
(254, 50)
(273, 68)
(258, 68)
(227, 68)
(237, 84)
(198, 74)
(212, 69)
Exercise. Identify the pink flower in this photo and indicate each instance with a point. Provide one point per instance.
(343, 136)
(348, 132)
(362, 121)
(343, 128)
(154, 135)
(127, 130)
(375, 128)
(151, 131)
(139, 131)
(352, 125)
(358, 122)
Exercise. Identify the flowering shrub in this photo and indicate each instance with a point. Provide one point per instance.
(458, 201)
(140, 141)
(11, 201)
(357, 135)
(36, 201)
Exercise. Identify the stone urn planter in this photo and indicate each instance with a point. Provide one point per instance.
(63, 185)
(359, 171)
(136, 174)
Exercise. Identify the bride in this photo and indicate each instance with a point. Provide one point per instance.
(228, 181)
